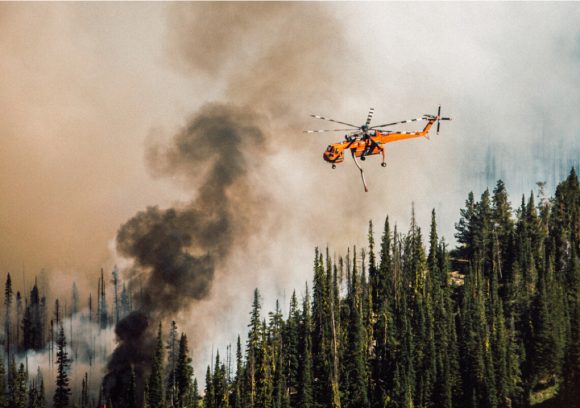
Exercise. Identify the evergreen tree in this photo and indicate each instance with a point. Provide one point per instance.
(239, 380)
(195, 394)
(465, 228)
(8, 315)
(503, 224)
(62, 393)
(253, 350)
(321, 335)
(305, 397)
(172, 355)
(209, 397)
(33, 322)
(355, 375)
(292, 349)
(155, 392)
(183, 372)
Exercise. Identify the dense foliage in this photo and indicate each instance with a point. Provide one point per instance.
(404, 322)
(493, 323)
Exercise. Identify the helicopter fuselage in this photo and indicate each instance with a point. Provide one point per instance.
(370, 144)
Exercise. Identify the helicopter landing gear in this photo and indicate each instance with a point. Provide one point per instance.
(334, 166)
(383, 164)
(363, 158)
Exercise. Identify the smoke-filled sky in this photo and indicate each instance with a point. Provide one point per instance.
(90, 93)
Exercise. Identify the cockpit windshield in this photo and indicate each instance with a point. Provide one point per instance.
(329, 149)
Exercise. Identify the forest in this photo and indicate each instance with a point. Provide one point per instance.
(405, 321)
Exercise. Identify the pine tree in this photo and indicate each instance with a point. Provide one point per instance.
(172, 355)
(305, 397)
(321, 335)
(253, 350)
(354, 360)
(195, 394)
(155, 394)
(183, 372)
(292, 349)
(264, 386)
(503, 225)
(62, 392)
(8, 315)
(33, 324)
(209, 397)
(465, 228)
(239, 380)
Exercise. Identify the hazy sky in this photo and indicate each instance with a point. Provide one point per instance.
(85, 88)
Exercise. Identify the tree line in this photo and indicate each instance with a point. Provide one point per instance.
(491, 323)
(404, 322)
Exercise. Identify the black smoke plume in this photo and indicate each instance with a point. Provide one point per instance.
(175, 251)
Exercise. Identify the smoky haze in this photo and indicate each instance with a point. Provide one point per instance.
(94, 95)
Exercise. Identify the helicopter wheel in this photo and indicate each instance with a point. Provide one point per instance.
(334, 166)
(383, 164)
(363, 158)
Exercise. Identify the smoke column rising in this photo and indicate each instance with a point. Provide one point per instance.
(176, 250)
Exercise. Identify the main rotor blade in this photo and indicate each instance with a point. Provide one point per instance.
(335, 121)
(328, 130)
(397, 123)
(370, 116)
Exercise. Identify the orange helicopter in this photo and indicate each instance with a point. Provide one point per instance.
(367, 141)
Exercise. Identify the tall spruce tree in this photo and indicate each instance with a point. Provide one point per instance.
(183, 373)
(62, 392)
(172, 355)
(355, 371)
(321, 335)
(155, 391)
(8, 295)
(305, 397)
